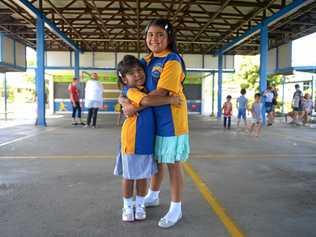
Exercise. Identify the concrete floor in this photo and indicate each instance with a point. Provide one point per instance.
(57, 181)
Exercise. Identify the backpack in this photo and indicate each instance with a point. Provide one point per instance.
(296, 100)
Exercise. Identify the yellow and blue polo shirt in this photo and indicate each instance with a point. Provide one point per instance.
(165, 71)
(138, 131)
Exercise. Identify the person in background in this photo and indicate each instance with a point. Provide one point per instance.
(274, 101)
(256, 109)
(119, 110)
(297, 106)
(227, 108)
(75, 101)
(242, 104)
(308, 107)
(93, 99)
(268, 94)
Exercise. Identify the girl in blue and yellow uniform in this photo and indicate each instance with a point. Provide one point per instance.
(135, 160)
(165, 72)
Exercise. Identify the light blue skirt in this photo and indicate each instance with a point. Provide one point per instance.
(172, 149)
(135, 166)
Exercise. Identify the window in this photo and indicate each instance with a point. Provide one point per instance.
(306, 85)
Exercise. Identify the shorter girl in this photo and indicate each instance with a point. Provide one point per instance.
(135, 160)
(228, 108)
(256, 110)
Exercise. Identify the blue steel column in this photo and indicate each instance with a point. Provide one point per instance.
(77, 74)
(40, 72)
(5, 97)
(263, 66)
(219, 87)
(213, 95)
(283, 88)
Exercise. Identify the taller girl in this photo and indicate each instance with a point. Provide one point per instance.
(165, 71)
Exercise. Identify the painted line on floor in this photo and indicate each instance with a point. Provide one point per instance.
(248, 156)
(25, 137)
(294, 139)
(231, 227)
(60, 157)
(193, 156)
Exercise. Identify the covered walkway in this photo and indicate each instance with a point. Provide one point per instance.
(58, 181)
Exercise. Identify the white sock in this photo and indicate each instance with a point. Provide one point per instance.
(174, 211)
(140, 201)
(152, 195)
(128, 202)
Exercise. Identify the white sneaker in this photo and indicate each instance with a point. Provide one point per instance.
(165, 223)
(127, 214)
(140, 213)
(152, 203)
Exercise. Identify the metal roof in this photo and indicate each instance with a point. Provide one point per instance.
(202, 26)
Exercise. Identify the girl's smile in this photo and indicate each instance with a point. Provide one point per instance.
(156, 39)
(135, 77)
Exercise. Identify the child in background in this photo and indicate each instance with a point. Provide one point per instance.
(119, 110)
(308, 107)
(256, 111)
(135, 160)
(227, 108)
(242, 104)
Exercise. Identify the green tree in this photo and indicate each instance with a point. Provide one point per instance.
(248, 76)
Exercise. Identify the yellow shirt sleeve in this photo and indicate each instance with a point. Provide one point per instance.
(171, 77)
(135, 95)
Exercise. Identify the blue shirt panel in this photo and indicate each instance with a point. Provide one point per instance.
(163, 114)
(242, 102)
(145, 129)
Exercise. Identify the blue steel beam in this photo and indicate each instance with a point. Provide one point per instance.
(264, 47)
(40, 72)
(49, 24)
(219, 87)
(289, 9)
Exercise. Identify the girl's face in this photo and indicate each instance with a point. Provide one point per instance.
(135, 77)
(94, 76)
(257, 99)
(156, 39)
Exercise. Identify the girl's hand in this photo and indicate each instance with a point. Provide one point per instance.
(129, 110)
(123, 100)
(176, 100)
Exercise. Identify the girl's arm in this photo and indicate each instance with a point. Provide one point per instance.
(159, 92)
(157, 100)
(154, 98)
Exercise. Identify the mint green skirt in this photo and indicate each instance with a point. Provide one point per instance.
(172, 149)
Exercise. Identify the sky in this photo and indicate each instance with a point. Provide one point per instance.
(304, 51)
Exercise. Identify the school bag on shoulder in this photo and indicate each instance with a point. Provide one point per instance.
(296, 100)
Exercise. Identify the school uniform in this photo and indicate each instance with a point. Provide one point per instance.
(165, 71)
(135, 159)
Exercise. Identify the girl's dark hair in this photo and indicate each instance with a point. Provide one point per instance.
(243, 91)
(229, 97)
(128, 63)
(257, 95)
(172, 41)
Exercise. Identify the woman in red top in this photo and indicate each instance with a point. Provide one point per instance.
(75, 101)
